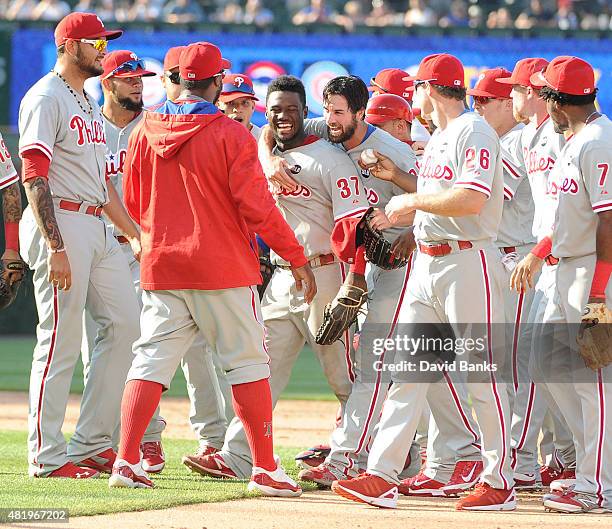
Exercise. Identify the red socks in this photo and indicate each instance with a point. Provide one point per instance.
(253, 406)
(140, 399)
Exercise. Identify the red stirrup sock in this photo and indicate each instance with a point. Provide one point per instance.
(253, 406)
(140, 399)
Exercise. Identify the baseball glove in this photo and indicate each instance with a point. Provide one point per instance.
(266, 268)
(341, 313)
(11, 274)
(595, 336)
(377, 248)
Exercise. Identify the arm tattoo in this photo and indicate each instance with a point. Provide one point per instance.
(11, 203)
(39, 197)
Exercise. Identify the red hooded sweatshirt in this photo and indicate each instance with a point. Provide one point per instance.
(193, 183)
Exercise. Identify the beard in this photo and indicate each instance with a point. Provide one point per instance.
(90, 69)
(128, 104)
(346, 134)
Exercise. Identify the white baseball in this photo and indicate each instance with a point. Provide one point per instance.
(368, 157)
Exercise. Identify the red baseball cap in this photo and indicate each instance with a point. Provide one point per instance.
(392, 81)
(487, 84)
(523, 70)
(385, 107)
(83, 26)
(124, 63)
(171, 60)
(235, 86)
(200, 61)
(569, 75)
(441, 69)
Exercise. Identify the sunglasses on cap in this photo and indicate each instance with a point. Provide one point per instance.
(98, 44)
(380, 88)
(129, 66)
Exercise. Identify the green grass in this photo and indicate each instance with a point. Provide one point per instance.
(174, 486)
(307, 380)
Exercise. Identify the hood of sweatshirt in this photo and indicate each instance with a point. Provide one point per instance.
(171, 125)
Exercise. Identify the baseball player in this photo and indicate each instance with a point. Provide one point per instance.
(393, 81)
(11, 265)
(237, 101)
(453, 460)
(580, 240)
(170, 77)
(122, 87)
(330, 193)
(515, 240)
(178, 157)
(77, 262)
(458, 209)
(541, 145)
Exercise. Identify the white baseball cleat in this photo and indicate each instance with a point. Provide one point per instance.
(274, 482)
(130, 476)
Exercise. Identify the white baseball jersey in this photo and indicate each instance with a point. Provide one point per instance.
(329, 190)
(585, 188)
(116, 150)
(380, 192)
(466, 154)
(52, 121)
(541, 146)
(516, 226)
(8, 174)
(255, 131)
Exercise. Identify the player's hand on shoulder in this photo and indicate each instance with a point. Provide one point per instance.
(399, 210)
(524, 274)
(383, 168)
(60, 274)
(305, 279)
(378, 220)
(404, 245)
(278, 173)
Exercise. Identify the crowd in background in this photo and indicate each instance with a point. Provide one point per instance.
(519, 14)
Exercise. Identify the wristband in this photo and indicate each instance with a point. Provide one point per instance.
(57, 250)
(359, 265)
(600, 279)
(543, 248)
(11, 235)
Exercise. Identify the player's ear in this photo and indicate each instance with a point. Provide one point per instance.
(305, 112)
(360, 114)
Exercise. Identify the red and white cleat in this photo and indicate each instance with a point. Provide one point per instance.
(153, 457)
(211, 466)
(72, 471)
(129, 476)
(274, 482)
(486, 498)
(369, 489)
(549, 474)
(321, 475)
(574, 502)
(102, 462)
(465, 476)
(421, 485)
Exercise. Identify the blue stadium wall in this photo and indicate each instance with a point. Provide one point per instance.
(314, 58)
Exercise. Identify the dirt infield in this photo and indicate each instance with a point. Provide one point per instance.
(299, 424)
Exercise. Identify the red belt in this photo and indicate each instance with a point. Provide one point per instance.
(96, 211)
(121, 239)
(438, 250)
(551, 260)
(509, 249)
